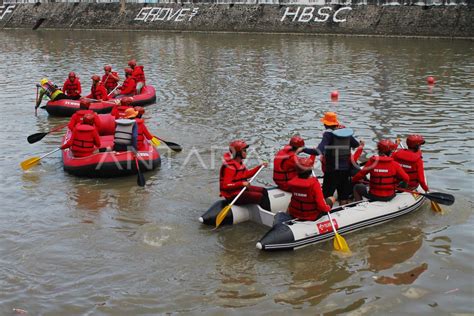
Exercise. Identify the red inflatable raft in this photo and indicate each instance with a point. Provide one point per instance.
(109, 164)
(68, 107)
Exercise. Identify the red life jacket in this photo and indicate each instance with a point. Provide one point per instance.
(129, 86)
(238, 175)
(383, 177)
(281, 176)
(99, 92)
(409, 162)
(77, 118)
(83, 142)
(109, 82)
(303, 203)
(138, 74)
(143, 134)
(71, 87)
(119, 110)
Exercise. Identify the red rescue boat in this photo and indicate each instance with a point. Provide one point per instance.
(109, 164)
(69, 107)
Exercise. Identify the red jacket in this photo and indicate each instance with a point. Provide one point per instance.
(119, 110)
(307, 201)
(143, 133)
(232, 175)
(385, 175)
(98, 92)
(128, 86)
(110, 81)
(138, 74)
(83, 141)
(77, 119)
(72, 88)
(412, 163)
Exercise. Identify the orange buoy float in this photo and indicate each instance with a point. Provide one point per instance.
(335, 95)
(430, 80)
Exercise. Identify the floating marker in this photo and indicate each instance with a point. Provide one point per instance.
(334, 95)
(430, 80)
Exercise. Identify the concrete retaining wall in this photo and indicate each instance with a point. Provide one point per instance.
(450, 21)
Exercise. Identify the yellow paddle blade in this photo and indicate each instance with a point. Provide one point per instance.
(340, 243)
(155, 141)
(222, 214)
(30, 162)
(435, 207)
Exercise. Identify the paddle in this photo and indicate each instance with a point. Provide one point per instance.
(222, 214)
(30, 162)
(140, 177)
(36, 101)
(171, 145)
(39, 136)
(438, 197)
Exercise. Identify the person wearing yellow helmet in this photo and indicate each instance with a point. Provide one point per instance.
(48, 88)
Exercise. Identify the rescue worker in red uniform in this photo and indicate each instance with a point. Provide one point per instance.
(411, 161)
(137, 74)
(85, 138)
(110, 79)
(98, 91)
(83, 110)
(119, 108)
(234, 175)
(128, 87)
(143, 132)
(385, 175)
(72, 87)
(284, 163)
(307, 200)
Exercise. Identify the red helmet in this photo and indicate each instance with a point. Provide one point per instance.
(107, 68)
(95, 78)
(128, 71)
(385, 146)
(88, 119)
(297, 141)
(140, 110)
(72, 74)
(415, 141)
(304, 164)
(84, 104)
(237, 146)
(132, 62)
(126, 101)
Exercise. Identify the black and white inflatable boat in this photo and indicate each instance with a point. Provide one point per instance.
(295, 234)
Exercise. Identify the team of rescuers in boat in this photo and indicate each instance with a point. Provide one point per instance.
(102, 87)
(389, 169)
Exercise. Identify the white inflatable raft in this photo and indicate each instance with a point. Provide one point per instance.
(295, 234)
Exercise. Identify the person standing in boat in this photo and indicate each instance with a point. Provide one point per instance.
(307, 200)
(118, 111)
(411, 161)
(79, 115)
(137, 74)
(126, 132)
(128, 87)
(49, 89)
(284, 163)
(72, 86)
(98, 91)
(336, 147)
(234, 175)
(110, 79)
(143, 132)
(85, 138)
(385, 175)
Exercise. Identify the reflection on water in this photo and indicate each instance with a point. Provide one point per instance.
(71, 246)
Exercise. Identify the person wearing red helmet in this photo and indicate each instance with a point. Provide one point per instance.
(137, 74)
(128, 87)
(234, 176)
(98, 91)
(83, 110)
(121, 106)
(411, 161)
(110, 79)
(385, 175)
(143, 132)
(284, 163)
(72, 87)
(307, 202)
(84, 139)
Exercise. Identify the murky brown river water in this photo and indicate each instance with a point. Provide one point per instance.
(72, 246)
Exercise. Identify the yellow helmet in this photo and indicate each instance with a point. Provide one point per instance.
(43, 81)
